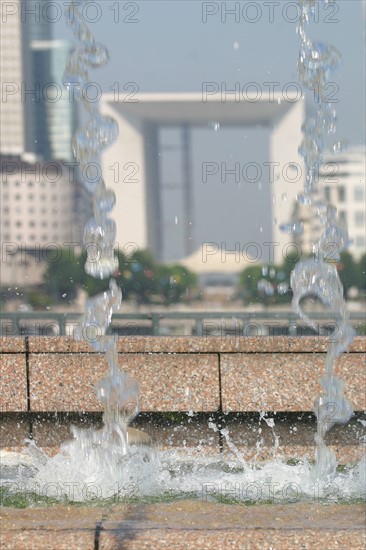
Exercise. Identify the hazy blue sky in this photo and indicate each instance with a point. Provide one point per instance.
(170, 48)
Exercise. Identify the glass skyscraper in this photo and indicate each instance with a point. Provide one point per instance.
(54, 113)
(37, 116)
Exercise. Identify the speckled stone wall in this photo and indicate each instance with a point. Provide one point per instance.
(40, 374)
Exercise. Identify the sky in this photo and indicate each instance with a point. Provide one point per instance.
(175, 46)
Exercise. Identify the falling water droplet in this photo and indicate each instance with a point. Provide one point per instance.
(284, 197)
(340, 146)
(282, 288)
(265, 287)
(294, 228)
(214, 125)
(94, 55)
(306, 200)
(104, 199)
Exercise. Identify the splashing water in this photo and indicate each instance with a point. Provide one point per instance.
(318, 276)
(92, 451)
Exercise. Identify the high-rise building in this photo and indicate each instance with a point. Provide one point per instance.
(16, 132)
(341, 184)
(54, 113)
(36, 202)
(36, 114)
(43, 209)
(342, 178)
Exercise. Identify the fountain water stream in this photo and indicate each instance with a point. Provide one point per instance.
(117, 392)
(318, 276)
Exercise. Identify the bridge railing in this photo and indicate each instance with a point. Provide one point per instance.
(209, 323)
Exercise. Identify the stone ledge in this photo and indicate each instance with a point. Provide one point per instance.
(184, 344)
(178, 374)
(13, 383)
(168, 382)
(285, 382)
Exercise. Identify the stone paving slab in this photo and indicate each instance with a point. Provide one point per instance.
(233, 540)
(14, 429)
(285, 382)
(64, 539)
(62, 382)
(179, 373)
(13, 344)
(13, 383)
(186, 524)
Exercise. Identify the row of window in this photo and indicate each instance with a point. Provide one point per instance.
(359, 218)
(34, 238)
(360, 241)
(31, 197)
(32, 223)
(358, 193)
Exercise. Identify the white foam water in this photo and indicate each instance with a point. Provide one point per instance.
(96, 475)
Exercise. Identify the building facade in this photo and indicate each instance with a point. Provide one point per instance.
(132, 165)
(16, 132)
(342, 178)
(36, 114)
(37, 217)
(54, 115)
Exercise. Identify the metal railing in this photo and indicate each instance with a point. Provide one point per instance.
(242, 323)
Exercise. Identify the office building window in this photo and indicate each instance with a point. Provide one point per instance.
(341, 194)
(359, 219)
(360, 241)
(359, 193)
(342, 217)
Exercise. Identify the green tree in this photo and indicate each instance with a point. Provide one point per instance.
(248, 281)
(361, 273)
(139, 276)
(348, 272)
(62, 275)
(175, 282)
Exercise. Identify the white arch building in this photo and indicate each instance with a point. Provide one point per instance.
(131, 165)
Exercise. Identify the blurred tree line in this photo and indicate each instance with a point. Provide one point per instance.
(139, 276)
(148, 282)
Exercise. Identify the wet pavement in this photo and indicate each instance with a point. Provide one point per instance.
(185, 524)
